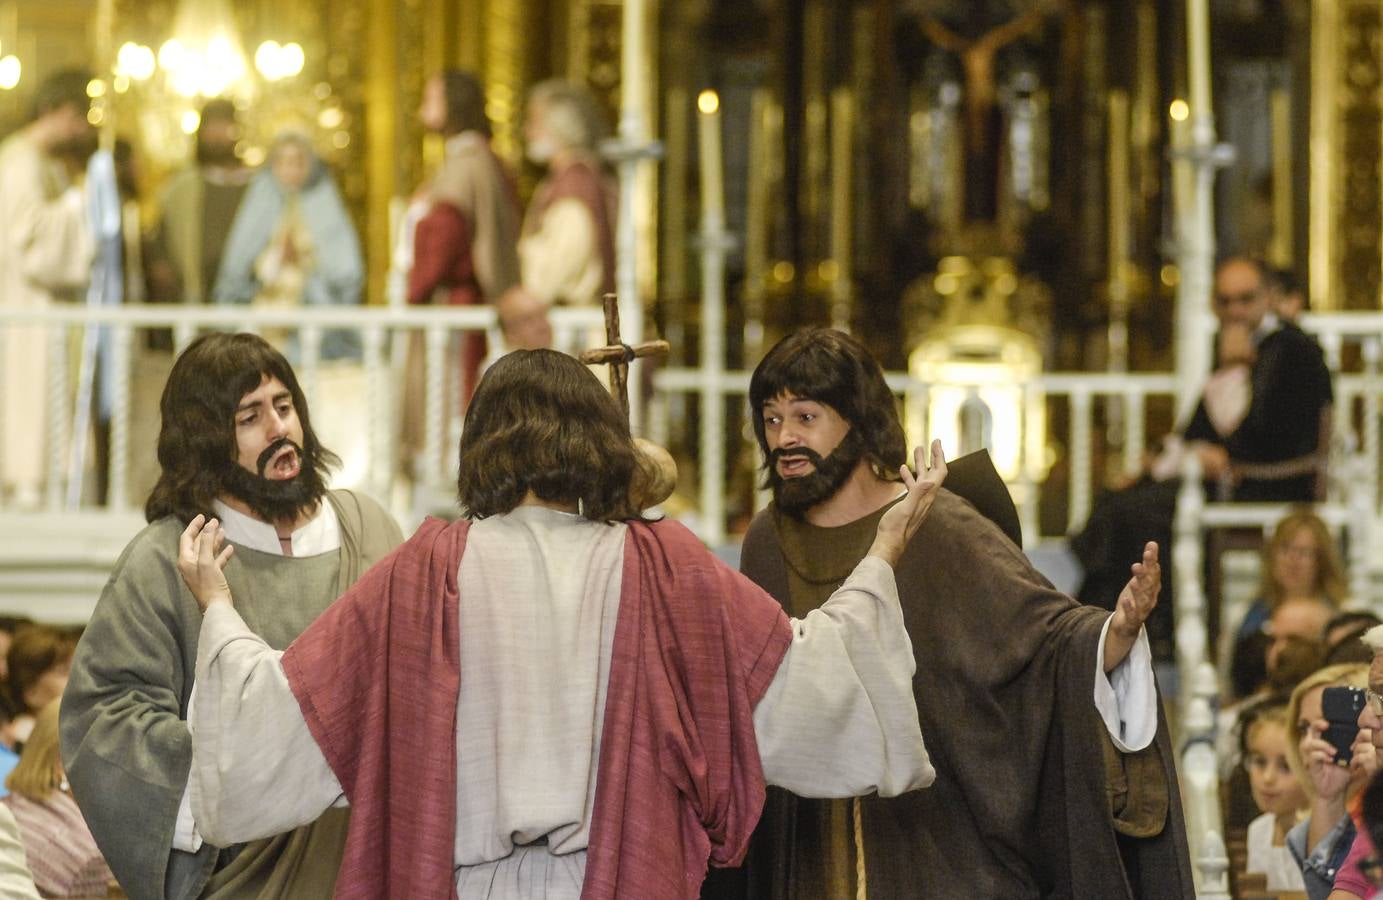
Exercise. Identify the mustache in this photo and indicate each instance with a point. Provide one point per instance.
(272, 450)
(807, 453)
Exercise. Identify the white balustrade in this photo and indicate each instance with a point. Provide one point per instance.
(379, 329)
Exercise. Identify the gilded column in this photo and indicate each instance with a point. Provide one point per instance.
(1347, 154)
(505, 61)
(381, 137)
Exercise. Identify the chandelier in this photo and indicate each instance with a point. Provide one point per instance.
(204, 57)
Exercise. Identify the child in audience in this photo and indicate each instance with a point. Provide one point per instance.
(1278, 794)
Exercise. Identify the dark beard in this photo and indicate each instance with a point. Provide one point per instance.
(269, 499)
(217, 153)
(794, 496)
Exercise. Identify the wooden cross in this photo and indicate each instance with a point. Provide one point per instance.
(618, 355)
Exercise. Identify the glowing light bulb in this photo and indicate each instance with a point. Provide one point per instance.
(292, 59)
(10, 71)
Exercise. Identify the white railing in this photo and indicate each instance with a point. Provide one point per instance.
(374, 382)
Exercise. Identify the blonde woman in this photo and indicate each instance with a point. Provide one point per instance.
(1320, 843)
(1300, 562)
(61, 852)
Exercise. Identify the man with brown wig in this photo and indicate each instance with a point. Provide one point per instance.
(557, 697)
(1021, 692)
(236, 443)
(464, 222)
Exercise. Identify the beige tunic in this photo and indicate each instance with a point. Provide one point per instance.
(45, 255)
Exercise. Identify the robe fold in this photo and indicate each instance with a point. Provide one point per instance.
(125, 743)
(680, 782)
(1004, 683)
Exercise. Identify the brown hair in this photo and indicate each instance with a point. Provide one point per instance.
(833, 368)
(1330, 571)
(196, 443)
(34, 650)
(36, 775)
(541, 422)
(465, 99)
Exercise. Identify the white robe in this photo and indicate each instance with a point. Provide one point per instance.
(540, 596)
(46, 250)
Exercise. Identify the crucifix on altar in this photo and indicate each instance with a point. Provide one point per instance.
(657, 475)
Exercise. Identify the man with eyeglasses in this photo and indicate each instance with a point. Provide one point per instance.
(1257, 431)
(1356, 879)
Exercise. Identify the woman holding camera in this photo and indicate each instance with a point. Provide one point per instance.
(1320, 843)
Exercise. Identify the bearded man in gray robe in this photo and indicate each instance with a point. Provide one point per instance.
(236, 443)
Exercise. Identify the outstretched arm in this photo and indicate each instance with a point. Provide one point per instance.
(256, 770)
(840, 718)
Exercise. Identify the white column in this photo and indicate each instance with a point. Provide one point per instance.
(1196, 219)
(714, 241)
(633, 136)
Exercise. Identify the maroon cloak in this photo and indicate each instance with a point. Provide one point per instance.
(680, 783)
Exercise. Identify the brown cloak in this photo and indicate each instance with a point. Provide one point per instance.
(1005, 686)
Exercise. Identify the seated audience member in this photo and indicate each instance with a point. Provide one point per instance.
(1351, 879)
(8, 626)
(1256, 432)
(1296, 659)
(1276, 792)
(1291, 622)
(39, 662)
(1343, 635)
(59, 847)
(1300, 562)
(293, 243)
(1320, 842)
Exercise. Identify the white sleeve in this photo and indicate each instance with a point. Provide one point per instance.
(256, 771)
(839, 718)
(554, 257)
(1127, 697)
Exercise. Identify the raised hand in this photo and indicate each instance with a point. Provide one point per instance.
(1139, 596)
(201, 559)
(900, 523)
(1135, 604)
(1327, 778)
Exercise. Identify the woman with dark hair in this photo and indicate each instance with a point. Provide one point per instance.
(553, 696)
(39, 662)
